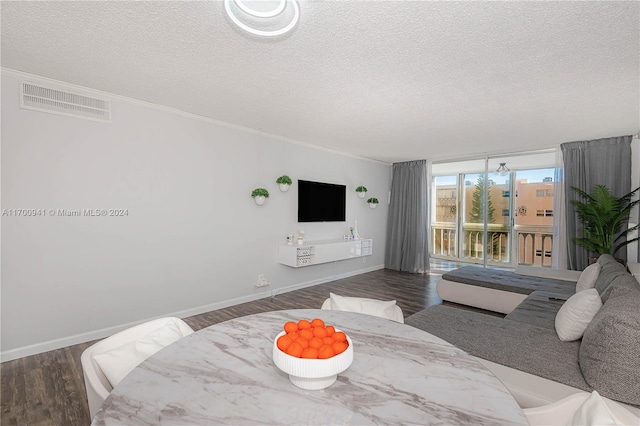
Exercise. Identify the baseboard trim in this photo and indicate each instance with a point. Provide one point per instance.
(63, 342)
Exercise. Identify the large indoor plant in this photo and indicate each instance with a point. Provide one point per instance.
(604, 216)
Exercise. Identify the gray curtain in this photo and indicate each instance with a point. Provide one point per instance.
(407, 239)
(588, 163)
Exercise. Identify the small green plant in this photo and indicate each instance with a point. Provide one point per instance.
(284, 180)
(372, 200)
(361, 189)
(260, 192)
(604, 216)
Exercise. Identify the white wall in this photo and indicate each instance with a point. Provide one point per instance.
(193, 239)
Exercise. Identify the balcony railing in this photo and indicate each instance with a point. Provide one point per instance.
(532, 247)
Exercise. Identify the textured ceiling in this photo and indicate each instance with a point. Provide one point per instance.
(390, 80)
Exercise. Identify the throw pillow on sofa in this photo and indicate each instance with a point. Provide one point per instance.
(609, 269)
(608, 356)
(588, 277)
(576, 313)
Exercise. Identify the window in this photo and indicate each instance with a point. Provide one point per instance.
(507, 221)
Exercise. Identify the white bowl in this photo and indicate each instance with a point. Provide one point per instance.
(312, 374)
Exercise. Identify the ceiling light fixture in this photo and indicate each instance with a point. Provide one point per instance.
(503, 169)
(261, 18)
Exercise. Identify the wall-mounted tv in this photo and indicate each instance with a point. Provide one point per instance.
(321, 202)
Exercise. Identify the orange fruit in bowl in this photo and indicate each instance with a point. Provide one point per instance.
(311, 340)
(304, 324)
(316, 342)
(295, 349)
(303, 342)
(325, 352)
(294, 335)
(284, 342)
(310, 353)
(339, 336)
(306, 334)
(319, 332)
(339, 347)
(290, 327)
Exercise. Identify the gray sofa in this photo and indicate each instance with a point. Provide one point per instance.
(524, 350)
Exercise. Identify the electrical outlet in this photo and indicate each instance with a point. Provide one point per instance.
(262, 281)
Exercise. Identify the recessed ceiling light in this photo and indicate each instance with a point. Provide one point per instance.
(281, 14)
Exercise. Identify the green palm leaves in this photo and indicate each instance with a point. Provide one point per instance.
(603, 215)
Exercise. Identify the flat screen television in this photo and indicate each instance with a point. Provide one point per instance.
(321, 202)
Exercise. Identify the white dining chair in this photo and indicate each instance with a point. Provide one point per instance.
(106, 362)
(362, 305)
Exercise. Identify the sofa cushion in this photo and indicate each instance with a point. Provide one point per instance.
(624, 280)
(609, 269)
(508, 281)
(511, 343)
(539, 309)
(576, 314)
(610, 346)
(588, 277)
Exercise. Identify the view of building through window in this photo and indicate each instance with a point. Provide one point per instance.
(519, 229)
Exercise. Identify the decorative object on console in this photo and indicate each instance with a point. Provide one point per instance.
(284, 181)
(355, 234)
(362, 191)
(290, 239)
(260, 195)
(373, 202)
(300, 237)
(603, 216)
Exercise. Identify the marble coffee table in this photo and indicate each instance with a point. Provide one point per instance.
(224, 374)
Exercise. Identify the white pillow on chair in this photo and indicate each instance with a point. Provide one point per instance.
(118, 362)
(378, 308)
(594, 412)
(581, 409)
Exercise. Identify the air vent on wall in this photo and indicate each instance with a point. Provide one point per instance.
(46, 99)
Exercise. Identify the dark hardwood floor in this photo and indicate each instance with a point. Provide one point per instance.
(48, 388)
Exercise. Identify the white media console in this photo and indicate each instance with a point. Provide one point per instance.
(315, 252)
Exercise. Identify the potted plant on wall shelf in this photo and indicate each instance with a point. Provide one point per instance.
(284, 181)
(260, 195)
(373, 202)
(362, 191)
(603, 216)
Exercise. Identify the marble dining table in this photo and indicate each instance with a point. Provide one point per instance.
(224, 374)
